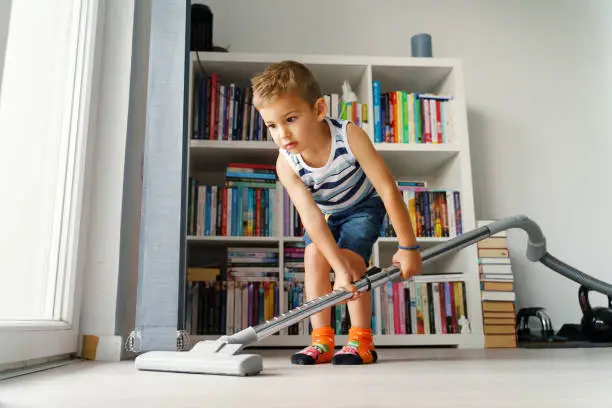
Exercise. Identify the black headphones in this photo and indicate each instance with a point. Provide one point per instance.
(596, 322)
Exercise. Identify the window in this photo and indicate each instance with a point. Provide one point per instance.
(44, 110)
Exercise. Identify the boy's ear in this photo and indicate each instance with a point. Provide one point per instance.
(320, 108)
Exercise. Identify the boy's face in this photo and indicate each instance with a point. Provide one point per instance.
(291, 120)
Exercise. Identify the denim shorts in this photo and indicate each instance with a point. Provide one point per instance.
(357, 228)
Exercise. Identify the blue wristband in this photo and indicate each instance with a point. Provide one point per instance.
(409, 248)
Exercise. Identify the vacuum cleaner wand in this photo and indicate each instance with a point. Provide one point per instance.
(220, 356)
(376, 277)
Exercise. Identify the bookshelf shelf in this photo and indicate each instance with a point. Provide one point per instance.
(232, 145)
(215, 154)
(443, 166)
(425, 241)
(229, 239)
(408, 157)
(246, 239)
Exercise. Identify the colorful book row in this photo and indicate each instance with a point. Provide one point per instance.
(433, 213)
(223, 111)
(411, 117)
(230, 211)
(225, 307)
(426, 304)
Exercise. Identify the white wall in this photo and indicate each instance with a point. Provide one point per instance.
(538, 100)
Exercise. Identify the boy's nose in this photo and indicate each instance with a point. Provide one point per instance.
(285, 134)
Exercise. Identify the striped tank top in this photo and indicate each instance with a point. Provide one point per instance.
(341, 183)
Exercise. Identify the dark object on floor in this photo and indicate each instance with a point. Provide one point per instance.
(561, 344)
(569, 336)
(526, 333)
(201, 28)
(572, 333)
(596, 321)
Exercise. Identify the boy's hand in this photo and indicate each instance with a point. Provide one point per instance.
(342, 282)
(408, 261)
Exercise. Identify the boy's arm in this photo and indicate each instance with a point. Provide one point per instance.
(376, 170)
(311, 216)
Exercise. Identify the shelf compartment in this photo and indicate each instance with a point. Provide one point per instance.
(215, 154)
(411, 78)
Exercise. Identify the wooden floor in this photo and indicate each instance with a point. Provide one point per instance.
(402, 378)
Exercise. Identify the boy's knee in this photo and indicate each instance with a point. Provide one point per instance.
(316, 262)
(357, 264)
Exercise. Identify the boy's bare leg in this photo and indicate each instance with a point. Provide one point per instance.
(360, 309)
(360, 346)
(317, 282)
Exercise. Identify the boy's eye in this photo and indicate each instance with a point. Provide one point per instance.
(291, 119)
(271, 125)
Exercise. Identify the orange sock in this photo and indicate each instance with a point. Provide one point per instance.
(358, 350)
(320, 351)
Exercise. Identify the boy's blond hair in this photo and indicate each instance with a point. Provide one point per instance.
(285, 77)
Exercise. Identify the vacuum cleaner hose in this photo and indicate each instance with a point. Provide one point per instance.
(577, 276)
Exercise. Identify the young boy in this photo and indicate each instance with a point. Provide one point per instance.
(341, 188)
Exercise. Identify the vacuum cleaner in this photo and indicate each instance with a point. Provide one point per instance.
(224, 357)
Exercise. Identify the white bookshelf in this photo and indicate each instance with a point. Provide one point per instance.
(444, 166)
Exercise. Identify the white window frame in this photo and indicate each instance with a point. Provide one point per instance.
(57, 334)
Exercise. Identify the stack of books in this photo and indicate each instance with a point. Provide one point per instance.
(252, 295)
(497, 291)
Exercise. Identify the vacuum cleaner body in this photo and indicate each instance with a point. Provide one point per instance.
(223, 356)
(596, 322)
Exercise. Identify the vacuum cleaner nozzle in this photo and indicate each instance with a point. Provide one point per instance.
(206, 357)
